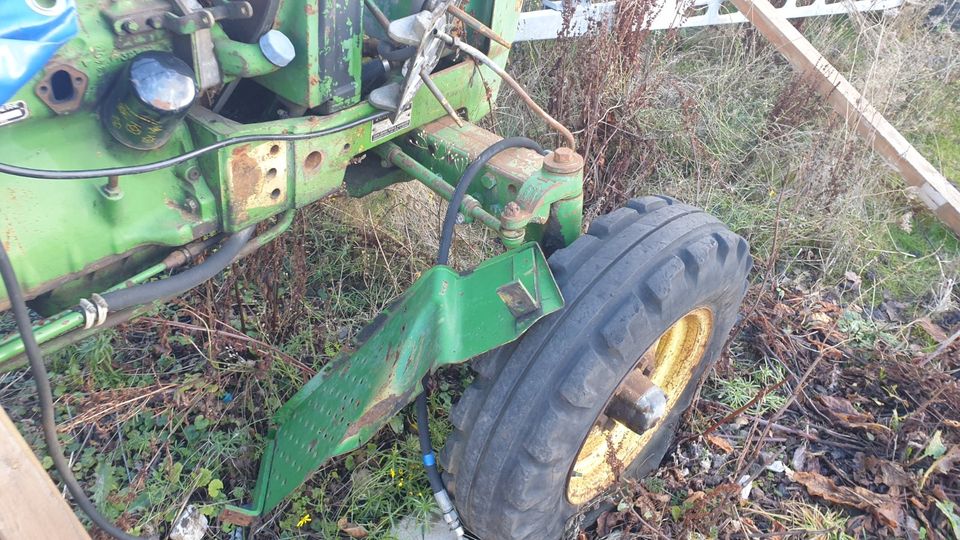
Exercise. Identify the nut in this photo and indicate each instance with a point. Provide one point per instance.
(511, 210)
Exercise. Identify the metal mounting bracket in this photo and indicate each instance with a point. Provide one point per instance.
(443, 318)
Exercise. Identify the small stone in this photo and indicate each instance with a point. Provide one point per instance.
(191, 525)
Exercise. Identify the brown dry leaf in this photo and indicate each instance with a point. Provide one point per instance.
(819, 319)
(720, 443)
(888, 473)
(943, 464)
(608, 521)
(933, 329)
(842, 411)
(886, 509)
(351, 529)
(782, 310)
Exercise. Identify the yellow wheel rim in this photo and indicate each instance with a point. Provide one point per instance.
(610, 446)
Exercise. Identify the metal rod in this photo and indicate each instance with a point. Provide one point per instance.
(378, 15)
(483, 59)
(278, 228)
(64, 322)
(428, 82)
(60, 325)
(477, 25)
(470, 207)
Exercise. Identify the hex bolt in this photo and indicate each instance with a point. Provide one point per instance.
(191, 204)
(155, 22)
(193, 174)
(563, 155)
(563, 160)
(111, 189)
(460, 218)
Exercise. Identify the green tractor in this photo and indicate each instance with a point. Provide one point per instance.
(153, 135)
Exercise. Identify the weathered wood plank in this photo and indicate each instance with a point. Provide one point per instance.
(931, 186)
(30, 505)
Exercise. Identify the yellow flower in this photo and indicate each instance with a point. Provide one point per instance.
(393, 473)
(304, 520)
(400, 484)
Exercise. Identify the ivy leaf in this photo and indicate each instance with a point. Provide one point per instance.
(104, 484)
(203, 476)
(935, 447)
(214, 488)
(947, 508)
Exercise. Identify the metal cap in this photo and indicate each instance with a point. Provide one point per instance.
(277, 47)
(163, 81)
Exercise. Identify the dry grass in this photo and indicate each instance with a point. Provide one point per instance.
(717, 118)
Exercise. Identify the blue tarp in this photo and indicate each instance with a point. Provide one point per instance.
(29, 35)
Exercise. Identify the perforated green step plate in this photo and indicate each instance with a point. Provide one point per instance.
(444, 318)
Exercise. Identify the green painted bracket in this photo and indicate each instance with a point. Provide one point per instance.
(444, 318)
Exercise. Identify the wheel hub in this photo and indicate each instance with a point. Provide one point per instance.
(639, 405)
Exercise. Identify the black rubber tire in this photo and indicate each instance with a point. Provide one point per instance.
(520, 424)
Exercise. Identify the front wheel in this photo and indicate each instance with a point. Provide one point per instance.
(593, 393)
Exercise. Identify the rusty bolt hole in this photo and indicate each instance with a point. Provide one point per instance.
(275, 149)
(271, 173)
(313, 161)
(275, 194)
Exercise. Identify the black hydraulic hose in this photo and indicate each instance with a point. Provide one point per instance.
(182, 282)
(45, 396)
(471, 172)
(426, 447)
(46, 174)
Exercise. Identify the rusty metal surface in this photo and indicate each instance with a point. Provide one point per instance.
(45, 89)
(515, 163)
(257, 180)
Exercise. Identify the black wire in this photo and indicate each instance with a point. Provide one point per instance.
(48, 422)
(471, 172)
(46, 174)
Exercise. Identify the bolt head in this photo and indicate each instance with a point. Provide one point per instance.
(563, 161)
(277, 47)
(563, 155)
(460, 218)
(130, 26)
